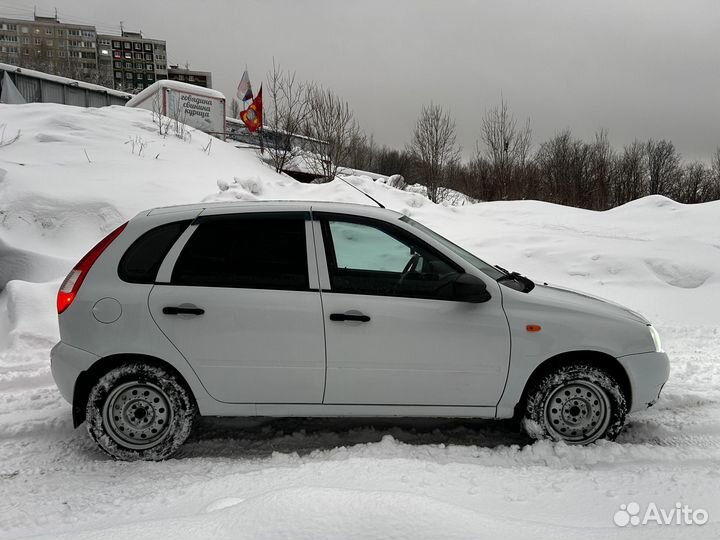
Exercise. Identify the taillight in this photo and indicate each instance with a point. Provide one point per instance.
(71, 285)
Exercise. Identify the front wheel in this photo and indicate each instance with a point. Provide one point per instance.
(578, 404)
(138, 411)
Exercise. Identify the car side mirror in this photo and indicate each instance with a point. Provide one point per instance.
(470, 288)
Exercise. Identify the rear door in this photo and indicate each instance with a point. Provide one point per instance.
(242, 306)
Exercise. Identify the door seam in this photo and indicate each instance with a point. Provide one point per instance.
(322, 305)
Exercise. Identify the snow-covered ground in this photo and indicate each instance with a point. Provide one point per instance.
(75, 174)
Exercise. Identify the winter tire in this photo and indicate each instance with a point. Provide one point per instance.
(138, 411)
(577, 404)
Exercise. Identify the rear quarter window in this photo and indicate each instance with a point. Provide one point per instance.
(142, 260)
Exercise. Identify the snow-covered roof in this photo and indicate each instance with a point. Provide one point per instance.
(349, 171)
(62, 80)
(173, 85)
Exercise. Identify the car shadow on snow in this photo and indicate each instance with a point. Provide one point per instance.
(260, 437)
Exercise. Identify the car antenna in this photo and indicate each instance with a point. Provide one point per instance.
(361, 191)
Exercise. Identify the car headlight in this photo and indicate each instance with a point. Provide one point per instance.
(656, 339)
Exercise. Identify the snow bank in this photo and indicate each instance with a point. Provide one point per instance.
(313, 512)
(75, 174)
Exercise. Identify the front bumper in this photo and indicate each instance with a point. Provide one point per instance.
(648, 373)
(66, 364)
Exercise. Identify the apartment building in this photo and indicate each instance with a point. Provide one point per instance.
(128, 62)
(45, 44)
(131, 62)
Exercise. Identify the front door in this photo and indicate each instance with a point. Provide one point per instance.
(240, 309)
(394, 336)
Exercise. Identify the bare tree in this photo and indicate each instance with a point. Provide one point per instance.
(332, 128)
(481, 183)
(564, 164)
(176, 118)
(179, 115)
(714, 176)
(663, 166)
(460, 180)
(234, 108)
(287, 108)
(42, 57)
(362, 152)
(434, 149)
(695, 184)
(602, 158)
(163, 122)
(389, 161)
(506, 148)
(631, 174)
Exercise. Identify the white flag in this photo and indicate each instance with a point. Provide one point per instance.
(244, 89)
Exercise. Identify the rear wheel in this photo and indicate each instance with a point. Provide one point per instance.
(578, 404)
(138, 411)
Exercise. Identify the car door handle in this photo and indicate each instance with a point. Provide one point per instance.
(177, 310)
(349, 317)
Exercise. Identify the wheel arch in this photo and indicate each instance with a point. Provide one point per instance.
(596, 358)
(88, 377)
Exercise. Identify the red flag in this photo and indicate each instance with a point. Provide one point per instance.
(252, 116)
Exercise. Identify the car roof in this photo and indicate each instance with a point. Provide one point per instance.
(231, 207)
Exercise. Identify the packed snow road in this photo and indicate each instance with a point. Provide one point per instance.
(334, 478)
(363, 478)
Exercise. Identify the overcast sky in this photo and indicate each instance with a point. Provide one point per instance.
(638, 68)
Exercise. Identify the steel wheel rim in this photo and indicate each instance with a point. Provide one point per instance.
(137, 415)
(577, 412)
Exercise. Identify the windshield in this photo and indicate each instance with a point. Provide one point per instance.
(466, 255)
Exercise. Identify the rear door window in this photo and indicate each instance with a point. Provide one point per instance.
(257, 251)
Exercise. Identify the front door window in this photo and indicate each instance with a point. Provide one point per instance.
(370, 258)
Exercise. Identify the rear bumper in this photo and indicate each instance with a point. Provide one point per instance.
(648, 373)
(66, 364)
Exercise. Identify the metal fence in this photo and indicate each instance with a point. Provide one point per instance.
(39, 87)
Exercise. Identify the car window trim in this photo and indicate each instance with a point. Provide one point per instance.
(164, 276)
(166, 268)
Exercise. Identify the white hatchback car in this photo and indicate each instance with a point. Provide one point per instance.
(328, 309)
